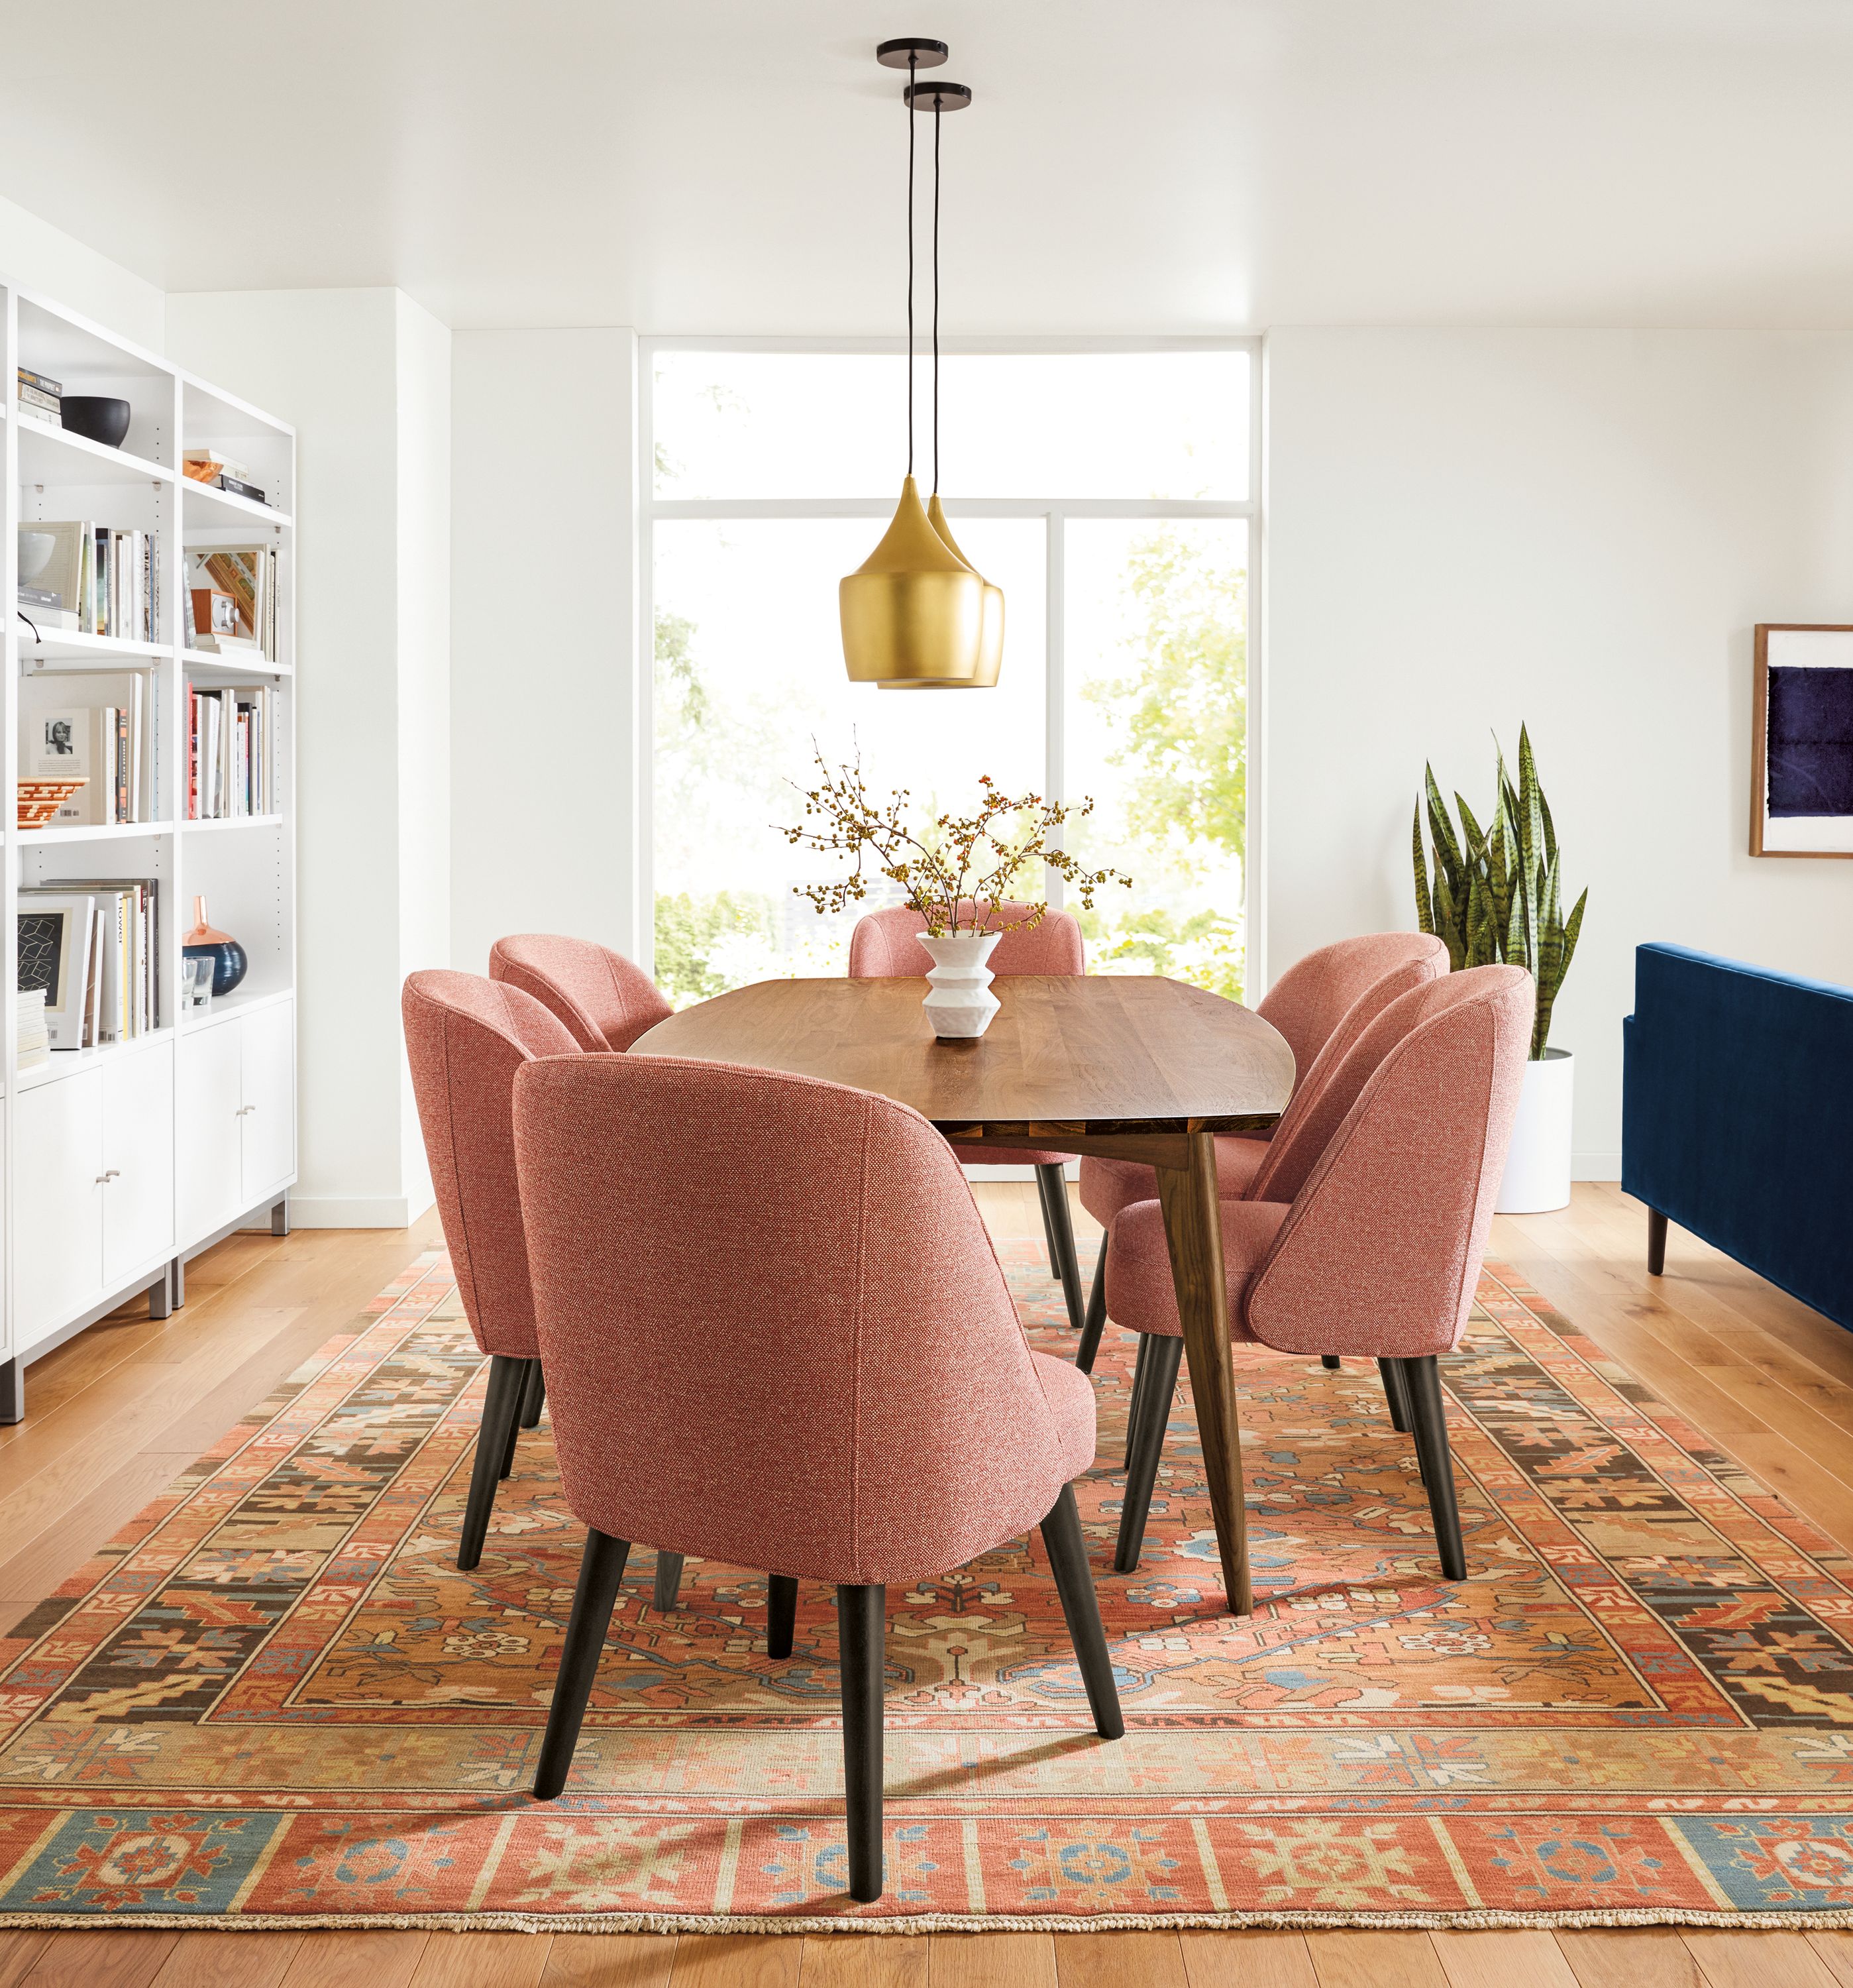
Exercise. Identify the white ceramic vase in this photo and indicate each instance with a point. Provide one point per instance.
(959, 999)
(1538, 1167)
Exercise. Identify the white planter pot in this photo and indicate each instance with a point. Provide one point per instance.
(1538, 1167)
(959, 999)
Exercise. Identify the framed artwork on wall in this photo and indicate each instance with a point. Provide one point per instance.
(1801, 742)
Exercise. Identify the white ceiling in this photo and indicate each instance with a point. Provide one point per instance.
(1128, 165)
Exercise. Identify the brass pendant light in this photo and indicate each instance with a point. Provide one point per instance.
(953, 96)
(913, 612)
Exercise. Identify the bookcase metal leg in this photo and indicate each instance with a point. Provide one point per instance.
(161, 1293)
(177, 1283)
(279, 1216)
(12, 1391)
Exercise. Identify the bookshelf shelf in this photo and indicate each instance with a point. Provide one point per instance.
(117, 831)
(69, 645)
(50, 455)
(204, 505)
(68, 1063)
(198, 1109)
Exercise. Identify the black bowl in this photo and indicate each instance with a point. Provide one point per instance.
(95, 418)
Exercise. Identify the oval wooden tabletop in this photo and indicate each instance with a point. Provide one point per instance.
(1100, 1053)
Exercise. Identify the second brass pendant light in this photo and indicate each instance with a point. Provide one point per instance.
(916, 614)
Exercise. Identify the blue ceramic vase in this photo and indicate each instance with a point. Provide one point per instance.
(228, 959)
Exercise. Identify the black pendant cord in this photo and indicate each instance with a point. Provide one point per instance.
(912, 64)
(936, 295)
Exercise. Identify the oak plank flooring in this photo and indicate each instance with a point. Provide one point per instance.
(114, 1415)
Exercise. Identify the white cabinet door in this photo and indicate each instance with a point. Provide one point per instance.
(270, 1100)
(57, 1204)
(137, 1160)
(208, 1098)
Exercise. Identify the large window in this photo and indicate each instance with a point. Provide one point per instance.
(1110, 493)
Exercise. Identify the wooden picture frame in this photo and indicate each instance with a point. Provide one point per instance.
(1777, 829)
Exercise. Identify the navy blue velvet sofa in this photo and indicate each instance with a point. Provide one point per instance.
(1737, 1118)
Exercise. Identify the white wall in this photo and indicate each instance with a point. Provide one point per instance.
(363, 374)
(1579, 529)
(543, 518)
(42, 258)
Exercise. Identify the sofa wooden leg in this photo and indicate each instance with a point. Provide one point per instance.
(1423, 1377)
(781, 1614)
(1656, 1243)
(1068, 1559)
(534, 1396)
(862, 1625)
(1395, 1391)
(1058, 1227)
(1163, 1355)
(601, 1569)
(1331, 1362)
(494, 1438)
(1094, 1323)
(668, 1581)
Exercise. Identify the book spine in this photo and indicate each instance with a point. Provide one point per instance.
(240, 489)
(39, 382)
(40, 401)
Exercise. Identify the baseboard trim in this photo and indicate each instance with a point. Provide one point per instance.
(351, 1211)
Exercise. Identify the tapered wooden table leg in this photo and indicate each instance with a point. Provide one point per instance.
(1193, 1229)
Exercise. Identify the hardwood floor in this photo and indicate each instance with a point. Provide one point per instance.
(116, 1414)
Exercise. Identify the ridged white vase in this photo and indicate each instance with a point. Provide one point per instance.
(1537, 1164)
(959, 999)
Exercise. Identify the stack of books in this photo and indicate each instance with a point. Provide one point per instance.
(42, 398)
(220, 473)
(231, 752)
(32, 1044)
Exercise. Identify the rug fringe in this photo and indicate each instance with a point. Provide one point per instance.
(920, 1922)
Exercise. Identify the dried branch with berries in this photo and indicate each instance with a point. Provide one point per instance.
(957, 871)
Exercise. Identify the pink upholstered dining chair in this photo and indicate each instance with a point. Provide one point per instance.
(883, 946)
(465, 1038)
(606, 1001)
(1370, 1243)
(603, 1000)
(1322, 1005)
(931, 1430)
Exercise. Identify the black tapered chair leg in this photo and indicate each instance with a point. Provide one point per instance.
(601, 1569)
(862, 1628)
(1331, 1362)
(1095, 1321)
(1429, 1413)
(781, 1614)
(494, 1438)
(1656, 1243)
(529, 1368)
(1058, 1227)
(534, 1396)
(1154, 1411)
(1142, 1366)
(668, 1581)
(1067, 1557)
(1395, 1391)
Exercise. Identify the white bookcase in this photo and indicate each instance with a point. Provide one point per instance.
(122, 1160)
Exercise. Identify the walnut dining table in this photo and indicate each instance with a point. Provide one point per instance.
(1134, 1068)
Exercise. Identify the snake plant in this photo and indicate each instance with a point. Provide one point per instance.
(1496, 897)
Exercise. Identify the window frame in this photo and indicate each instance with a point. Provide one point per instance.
(1055, 511)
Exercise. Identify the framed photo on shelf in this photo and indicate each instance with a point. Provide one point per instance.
(1801, 742)
(54, 955)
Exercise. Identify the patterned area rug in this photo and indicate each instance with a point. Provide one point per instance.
(273, 1699)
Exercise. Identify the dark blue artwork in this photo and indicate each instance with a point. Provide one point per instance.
(1810, 742)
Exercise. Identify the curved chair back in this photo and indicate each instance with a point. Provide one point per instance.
(465, 1038)
(604, 1000)
(745, 1356)
(883, 947)
(1380, 1252)
(1311, 1000)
